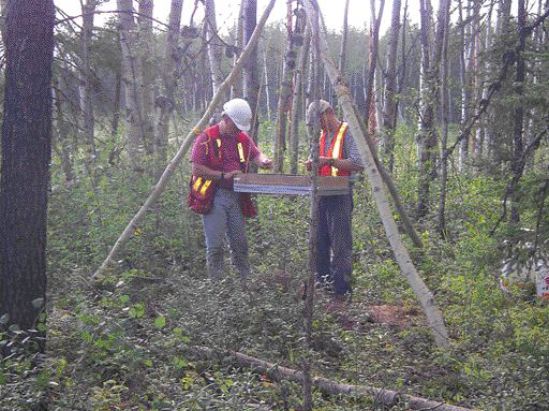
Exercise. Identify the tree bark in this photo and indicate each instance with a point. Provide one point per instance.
(116, 101)
(131, 77)
(267, 86)
(425, 131)
(297, 101)
(465, 76)
(172, 165)
(520, 76)
(424, 295)
(444, 114)
(374, 40)
(165, 104)
(62, 129)
(390, 100)
(26, 152)
(251, 68)
(344, 37)
(215, 47)
(3, 10)
(285, 95)
(147, 77)
(85, 76)
(314, 213)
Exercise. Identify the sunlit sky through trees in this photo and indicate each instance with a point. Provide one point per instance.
(227, 10)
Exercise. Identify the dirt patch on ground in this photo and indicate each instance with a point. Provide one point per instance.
(391, 315)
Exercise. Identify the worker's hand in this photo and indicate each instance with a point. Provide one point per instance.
(266, 163)
(231, 174)
(323, 161)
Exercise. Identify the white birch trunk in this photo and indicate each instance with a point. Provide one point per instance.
(131, 76)
(215, 47)
(147, 57)
(84, 74)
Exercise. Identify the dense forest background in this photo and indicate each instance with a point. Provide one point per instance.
(456, 106)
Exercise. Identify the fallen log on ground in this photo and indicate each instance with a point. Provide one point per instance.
(278, 373)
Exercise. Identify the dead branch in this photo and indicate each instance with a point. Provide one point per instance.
(280, 373)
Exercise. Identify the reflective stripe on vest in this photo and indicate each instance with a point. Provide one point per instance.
(335, 151)
(240, 148)
(201, 185)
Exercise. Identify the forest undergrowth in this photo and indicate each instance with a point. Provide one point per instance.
(126, 342)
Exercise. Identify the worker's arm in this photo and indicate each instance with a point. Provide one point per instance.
(346, 164)
(341, 164)
(200, 170)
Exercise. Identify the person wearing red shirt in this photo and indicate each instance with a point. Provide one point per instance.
(219, 153)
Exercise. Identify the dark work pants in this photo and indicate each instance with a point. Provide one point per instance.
(335, 242)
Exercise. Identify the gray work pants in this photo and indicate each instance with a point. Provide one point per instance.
(335, 242)
(226, 219)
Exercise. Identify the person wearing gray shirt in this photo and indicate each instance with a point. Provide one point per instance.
(339, 156)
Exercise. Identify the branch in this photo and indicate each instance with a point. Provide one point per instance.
(509, 59)
(133, 13)
(280, 373)
(517, 176)
(529, 29)
(482, 106)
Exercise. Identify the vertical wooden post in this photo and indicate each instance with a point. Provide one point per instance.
(314, 132)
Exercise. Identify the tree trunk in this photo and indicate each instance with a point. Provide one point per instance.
(62, 129)
(215, 47)
(116, 101)
(344, 36)
(26, 152)
(267, 86)
(314, 213)
(85, 76)
(520, 76)
(390, 100)
(251, 68)
(131, 77)
(403, 58)
(237, 88)
(424, 295)
(147, 76)
(165, 104)
(369, 91)
(465, 32)
(3, 10)
(285, 95)
(444, 114)
(170, 168)
(486, 71)
(425, 127)
(297, 101)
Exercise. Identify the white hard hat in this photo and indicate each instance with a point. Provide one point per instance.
(323, 105)
(239, 112)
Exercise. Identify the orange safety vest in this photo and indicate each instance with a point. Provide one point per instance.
(334, 151)
(202, 190)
